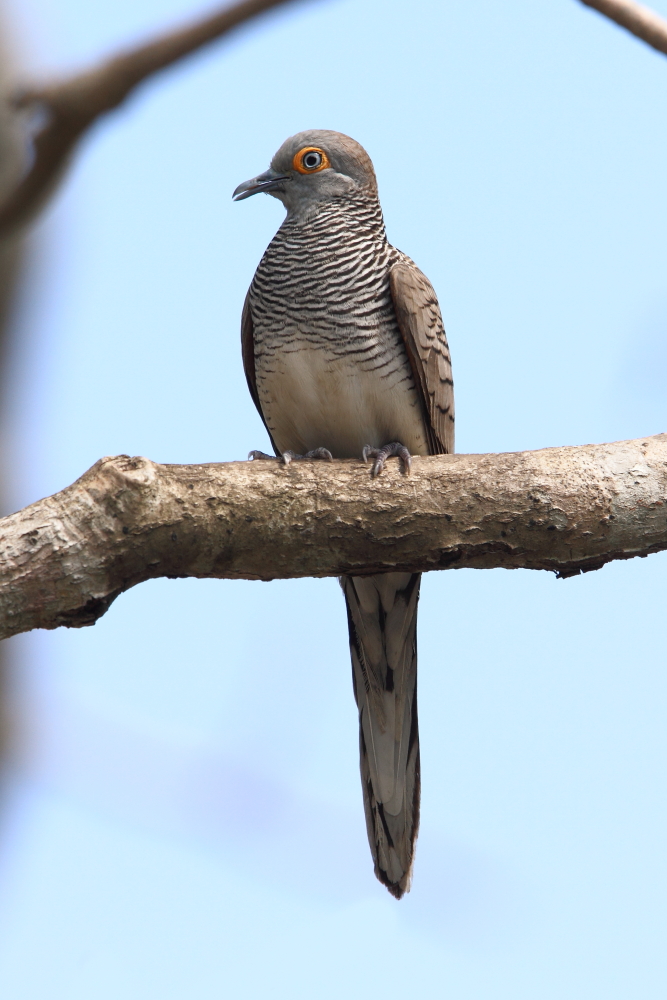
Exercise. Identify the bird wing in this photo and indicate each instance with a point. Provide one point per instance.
(248, 354)
(423, 332)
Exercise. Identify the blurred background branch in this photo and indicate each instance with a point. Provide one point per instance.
(634, 17)
(68, 108)
(11, 261)
(71, 106)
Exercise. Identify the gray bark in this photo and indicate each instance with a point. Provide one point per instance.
(65, 558)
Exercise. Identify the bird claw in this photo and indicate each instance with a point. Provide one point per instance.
(254, 456)
(393, 450)
(291, 456)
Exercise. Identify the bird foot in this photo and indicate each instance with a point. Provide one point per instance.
(291, 456)
(393, 450)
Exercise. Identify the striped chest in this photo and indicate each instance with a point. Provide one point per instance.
(330, 362)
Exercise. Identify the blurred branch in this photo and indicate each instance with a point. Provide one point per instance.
(12, 259)
(126, 520)
(634, 17)
(71, 106)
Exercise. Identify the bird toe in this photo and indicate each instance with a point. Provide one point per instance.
(393, 450)
(309, 456)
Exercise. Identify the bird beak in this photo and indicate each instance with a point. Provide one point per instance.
(263, 182)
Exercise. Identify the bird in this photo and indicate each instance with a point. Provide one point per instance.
(345, 355)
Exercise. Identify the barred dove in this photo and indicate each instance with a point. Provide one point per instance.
(345, 355)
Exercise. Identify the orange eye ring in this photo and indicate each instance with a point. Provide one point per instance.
(310, 160)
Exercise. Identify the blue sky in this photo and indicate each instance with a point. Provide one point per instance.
(185, 817)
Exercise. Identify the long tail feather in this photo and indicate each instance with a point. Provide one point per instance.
(382, 619)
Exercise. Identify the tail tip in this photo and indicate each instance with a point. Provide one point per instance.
(397, 889)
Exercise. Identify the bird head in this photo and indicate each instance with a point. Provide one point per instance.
(311, 167)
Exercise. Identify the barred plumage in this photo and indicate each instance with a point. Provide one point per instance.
(321, 292)
(344, 347)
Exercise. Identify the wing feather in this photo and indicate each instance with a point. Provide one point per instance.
(423, 332)
(248, 355)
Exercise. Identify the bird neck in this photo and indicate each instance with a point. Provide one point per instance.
(360, 213)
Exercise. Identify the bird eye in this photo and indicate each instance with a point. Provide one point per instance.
(310, 160)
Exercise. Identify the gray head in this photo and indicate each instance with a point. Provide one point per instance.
(314, 166)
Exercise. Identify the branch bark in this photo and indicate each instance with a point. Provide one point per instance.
(635, 18)
(570, 510)
(70, 107)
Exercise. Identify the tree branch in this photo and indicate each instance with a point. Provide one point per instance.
(634, 17)
(71, 106)
(126, 520)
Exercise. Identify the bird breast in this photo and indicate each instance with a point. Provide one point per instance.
(330, 363)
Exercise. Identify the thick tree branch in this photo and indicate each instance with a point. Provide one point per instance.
(71, 106)
(65, 558)
(634, 17)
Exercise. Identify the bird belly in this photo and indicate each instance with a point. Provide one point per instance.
(314, 397)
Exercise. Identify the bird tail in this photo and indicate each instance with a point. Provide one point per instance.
(382, 620)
